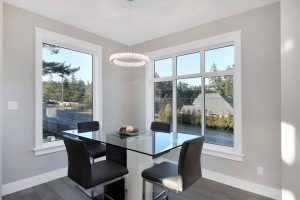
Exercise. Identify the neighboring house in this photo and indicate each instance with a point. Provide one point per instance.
(214, 103)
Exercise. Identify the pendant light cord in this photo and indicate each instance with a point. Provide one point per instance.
(129, 23)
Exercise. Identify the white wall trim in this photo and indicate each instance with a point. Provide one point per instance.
(50, 147)
(249, 186)
(58, 39)
(231, 38)
(37, 180)
(32, 181)
(242, 184)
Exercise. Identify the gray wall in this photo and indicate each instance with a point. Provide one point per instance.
(290, 96)
(260, 91)
(19, 85)
(1, 90)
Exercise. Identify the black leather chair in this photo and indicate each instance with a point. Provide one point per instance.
(88, 175)
(96, 149)
(177, 177)
(160, 126)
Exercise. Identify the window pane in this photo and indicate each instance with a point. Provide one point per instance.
(67, 90)
(188, 64)
(189, 106)
(219, 59)
(163, 101)
(163, 68)
(219, 109)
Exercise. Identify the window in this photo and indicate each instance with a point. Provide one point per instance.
(68, 89)
(163, 101)
(197, 90)
(188, 110)
(163, 68)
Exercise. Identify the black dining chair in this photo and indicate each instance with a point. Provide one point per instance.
(88, 175)
(95, 148)
(161, 126)
(177, 177)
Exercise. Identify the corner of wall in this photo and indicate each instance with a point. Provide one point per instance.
(1, 90)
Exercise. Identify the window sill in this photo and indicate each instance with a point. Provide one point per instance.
(50, 147)
(223, 153)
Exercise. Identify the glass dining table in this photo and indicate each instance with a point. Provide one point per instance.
(135, 152)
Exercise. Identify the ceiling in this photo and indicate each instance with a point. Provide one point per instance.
(150, 18)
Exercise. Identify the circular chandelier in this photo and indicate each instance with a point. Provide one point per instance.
(129, 59)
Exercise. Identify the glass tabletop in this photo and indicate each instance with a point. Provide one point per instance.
(147, 141)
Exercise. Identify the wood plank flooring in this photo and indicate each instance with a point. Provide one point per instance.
(63, 189)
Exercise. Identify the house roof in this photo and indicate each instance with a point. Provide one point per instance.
(214, 102)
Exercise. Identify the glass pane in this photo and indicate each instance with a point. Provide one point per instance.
(188, 64)
(219, 110)
(163, 101)
(67, 90)
(189, 106)
(163, 68)
(220, 59)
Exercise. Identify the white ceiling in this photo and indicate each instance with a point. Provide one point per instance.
(150, 18)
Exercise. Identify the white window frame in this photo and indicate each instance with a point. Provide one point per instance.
(231, 38)
(45, 36)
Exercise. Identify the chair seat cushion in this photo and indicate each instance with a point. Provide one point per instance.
(104, 171)
(96, 150)
(166, 174)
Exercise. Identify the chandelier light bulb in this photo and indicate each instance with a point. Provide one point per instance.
(128, 59)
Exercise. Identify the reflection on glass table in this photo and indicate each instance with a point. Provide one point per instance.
(147, 142)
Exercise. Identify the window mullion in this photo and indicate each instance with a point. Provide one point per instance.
(174, 112)
(202, 68)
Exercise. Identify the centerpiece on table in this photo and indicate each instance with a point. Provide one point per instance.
(128, 130)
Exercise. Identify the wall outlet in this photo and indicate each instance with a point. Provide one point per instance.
(260, 170)
(12, 105)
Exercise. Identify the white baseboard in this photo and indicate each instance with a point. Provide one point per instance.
(259, 189)
(243, 184)
(214, 176)
(37, 180)
(32, 181)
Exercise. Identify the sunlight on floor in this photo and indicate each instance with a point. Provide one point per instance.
(288, 143)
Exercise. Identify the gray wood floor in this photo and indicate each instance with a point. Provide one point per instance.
(63, 189)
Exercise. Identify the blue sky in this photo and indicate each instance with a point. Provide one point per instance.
(186, 64)
(190, 63)
(73, 58)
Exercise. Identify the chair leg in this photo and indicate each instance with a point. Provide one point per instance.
(144, 189)
(167, 195)
(163, 195)
(92, 194)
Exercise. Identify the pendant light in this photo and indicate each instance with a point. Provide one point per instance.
(129, 59)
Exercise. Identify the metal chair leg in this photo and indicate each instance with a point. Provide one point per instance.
(167, 195)
(163, 194)
(92, 194)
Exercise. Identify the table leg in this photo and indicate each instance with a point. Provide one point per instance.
(116, 190)
(136, 163)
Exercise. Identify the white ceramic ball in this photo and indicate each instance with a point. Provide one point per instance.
(129, 128)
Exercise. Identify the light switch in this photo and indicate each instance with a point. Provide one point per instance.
(13, 105)
(260, 170)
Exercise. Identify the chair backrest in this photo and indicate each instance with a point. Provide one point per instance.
(79, 168)
(190, 161)
(88, 126)
(160, 126)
